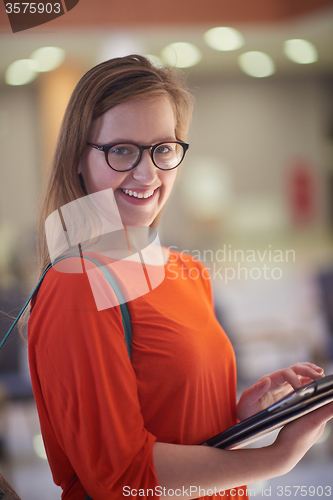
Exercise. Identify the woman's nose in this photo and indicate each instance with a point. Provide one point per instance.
(145, 172)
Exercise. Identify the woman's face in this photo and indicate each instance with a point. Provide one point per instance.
(144, 122)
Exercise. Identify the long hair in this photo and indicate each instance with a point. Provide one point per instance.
(106, 85)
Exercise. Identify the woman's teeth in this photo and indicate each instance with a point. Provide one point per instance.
(129, 192)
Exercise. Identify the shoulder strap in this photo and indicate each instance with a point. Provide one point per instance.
(24, 307)
(126, 319)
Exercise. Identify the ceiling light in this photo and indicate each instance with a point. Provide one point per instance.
(224, 38)
(300, 51)
(21, 72)
(256, 64)
(48, 58)
(181, 55)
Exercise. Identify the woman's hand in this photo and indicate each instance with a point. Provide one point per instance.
(275, 386)
(297, 437)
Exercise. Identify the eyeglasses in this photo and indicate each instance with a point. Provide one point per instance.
(126, 156)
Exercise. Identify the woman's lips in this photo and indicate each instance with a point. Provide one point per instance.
(138, 196)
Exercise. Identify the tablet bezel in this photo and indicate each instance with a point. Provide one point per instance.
(299, 402)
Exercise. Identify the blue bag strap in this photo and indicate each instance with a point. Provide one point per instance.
(126, 319)
(24, 307)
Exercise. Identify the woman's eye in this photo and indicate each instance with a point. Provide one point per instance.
(163, 149)
(122, 151)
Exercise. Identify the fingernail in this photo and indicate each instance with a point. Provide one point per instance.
(262, 383)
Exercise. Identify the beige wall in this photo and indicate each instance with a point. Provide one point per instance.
(20, 158)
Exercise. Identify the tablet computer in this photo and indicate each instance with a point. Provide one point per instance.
(301, 401)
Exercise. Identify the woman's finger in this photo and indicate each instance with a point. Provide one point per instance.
(296, 375)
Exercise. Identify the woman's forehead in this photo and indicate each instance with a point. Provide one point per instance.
(136, 117)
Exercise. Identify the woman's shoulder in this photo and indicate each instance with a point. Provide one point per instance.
(69, 299)
(64, 278)
(73, 284)
(70, 275)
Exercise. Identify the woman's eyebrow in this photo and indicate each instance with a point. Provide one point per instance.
(130, 141)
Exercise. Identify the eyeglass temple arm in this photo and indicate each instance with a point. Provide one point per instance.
(100, 148)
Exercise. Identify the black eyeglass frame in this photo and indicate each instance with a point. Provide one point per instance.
(106, 148)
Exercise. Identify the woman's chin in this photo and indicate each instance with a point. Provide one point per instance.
(136, 221)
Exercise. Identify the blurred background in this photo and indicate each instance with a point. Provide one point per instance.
(254, 198)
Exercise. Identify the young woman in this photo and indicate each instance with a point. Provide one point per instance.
(116, 427)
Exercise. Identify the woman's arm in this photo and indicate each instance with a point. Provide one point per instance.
(189, 468)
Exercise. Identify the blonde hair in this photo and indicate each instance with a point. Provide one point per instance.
(106, 85)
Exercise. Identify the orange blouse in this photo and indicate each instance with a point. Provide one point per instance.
(100, 413)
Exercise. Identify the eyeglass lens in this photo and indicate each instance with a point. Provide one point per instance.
(165, 156)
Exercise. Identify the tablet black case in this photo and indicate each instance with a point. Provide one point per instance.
(303, 400)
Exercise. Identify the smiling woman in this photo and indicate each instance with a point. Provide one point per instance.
(116, 420)
(146, 121)
(115, 102)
